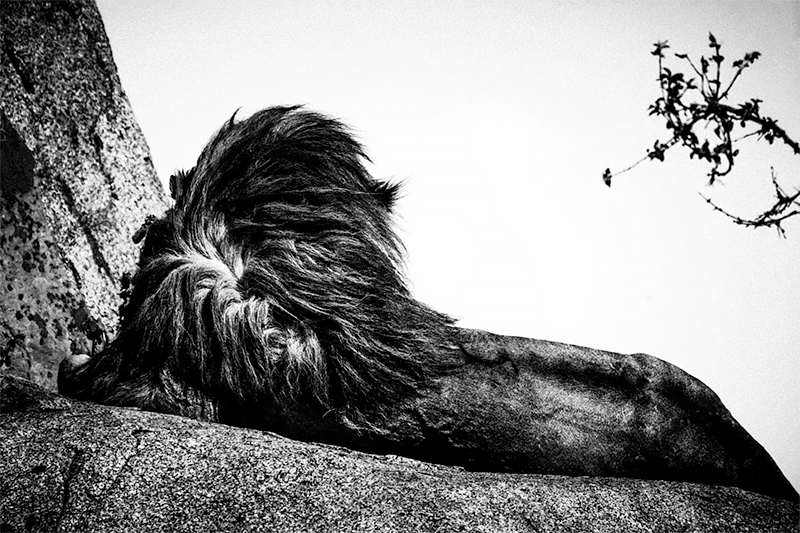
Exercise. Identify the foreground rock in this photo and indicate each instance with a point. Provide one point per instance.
(76, 182)
(74, 466)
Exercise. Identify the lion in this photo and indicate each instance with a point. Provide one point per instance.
(272, 295)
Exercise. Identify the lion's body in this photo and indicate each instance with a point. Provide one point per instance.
(272, 296)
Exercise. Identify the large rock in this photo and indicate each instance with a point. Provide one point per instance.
(76, 182)
(75, 466)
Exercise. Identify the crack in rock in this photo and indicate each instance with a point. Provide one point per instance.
(75, 466)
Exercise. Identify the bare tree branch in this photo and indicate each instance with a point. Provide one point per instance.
(786, 206)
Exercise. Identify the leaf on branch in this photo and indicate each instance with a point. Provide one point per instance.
(658, 151)
(748, 59)
(751, 57)
(607, 177)
(659, 48)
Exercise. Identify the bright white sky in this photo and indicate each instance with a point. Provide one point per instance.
(501, 117)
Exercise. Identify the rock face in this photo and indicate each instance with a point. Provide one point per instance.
(76, 183)
(75, 466)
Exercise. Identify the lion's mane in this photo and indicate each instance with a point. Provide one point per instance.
(276, 277)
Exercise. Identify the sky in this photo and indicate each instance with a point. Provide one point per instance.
(500, 117)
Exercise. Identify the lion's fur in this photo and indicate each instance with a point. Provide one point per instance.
(272, 296)
(276, 277)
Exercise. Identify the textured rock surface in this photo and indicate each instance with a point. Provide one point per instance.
(76, 182)
(73, 466)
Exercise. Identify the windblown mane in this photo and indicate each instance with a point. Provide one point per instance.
(276, 277)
